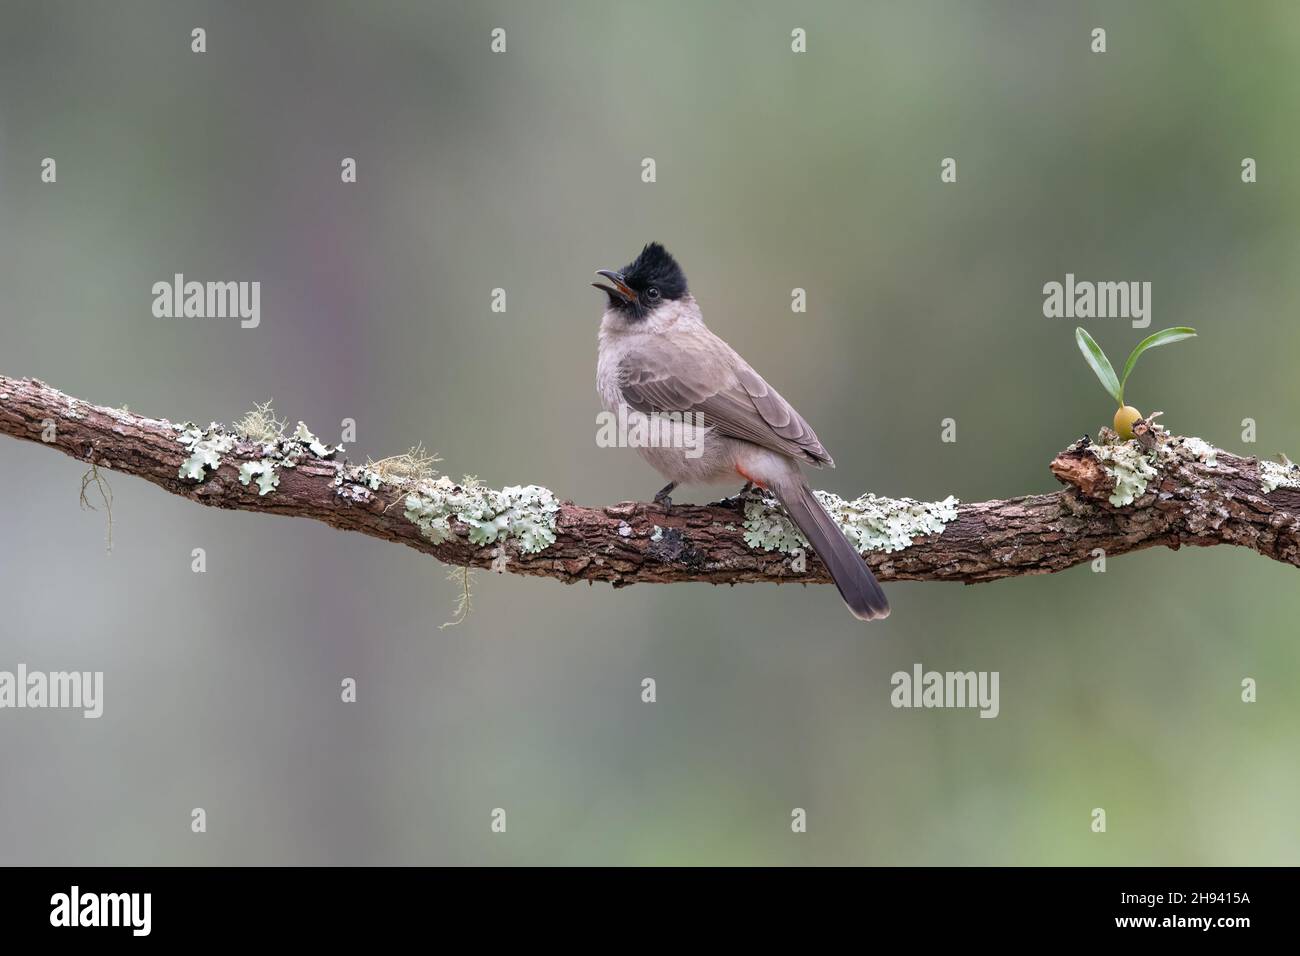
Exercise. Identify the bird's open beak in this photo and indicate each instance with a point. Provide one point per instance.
(619, 287)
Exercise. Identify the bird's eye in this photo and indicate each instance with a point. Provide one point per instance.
(652, 293)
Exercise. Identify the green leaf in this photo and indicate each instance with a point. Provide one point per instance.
(1100, 365)
(1163, 337)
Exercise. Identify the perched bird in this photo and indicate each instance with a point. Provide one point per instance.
(658, 359)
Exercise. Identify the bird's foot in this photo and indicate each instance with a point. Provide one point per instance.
(662, 498)
(736, 502)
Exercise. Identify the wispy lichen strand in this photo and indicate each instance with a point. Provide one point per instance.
(870, 523)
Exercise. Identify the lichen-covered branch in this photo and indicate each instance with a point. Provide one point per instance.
(1118, 498)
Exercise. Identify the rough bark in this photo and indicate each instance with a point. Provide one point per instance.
(1190, 502)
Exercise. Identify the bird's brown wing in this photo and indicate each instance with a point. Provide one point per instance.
(715, 383)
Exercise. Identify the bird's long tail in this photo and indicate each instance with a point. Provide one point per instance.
(858, 586)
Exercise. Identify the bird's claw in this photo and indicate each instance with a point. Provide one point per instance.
(662, 498)
(736, 502)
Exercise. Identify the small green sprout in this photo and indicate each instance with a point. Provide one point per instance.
(1127, 415)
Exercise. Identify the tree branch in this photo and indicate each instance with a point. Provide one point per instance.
(1197, 496)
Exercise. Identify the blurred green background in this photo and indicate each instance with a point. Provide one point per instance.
(522, 171)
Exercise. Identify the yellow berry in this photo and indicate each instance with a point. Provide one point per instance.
(1124, 419)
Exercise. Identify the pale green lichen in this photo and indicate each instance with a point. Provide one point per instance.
(293, 448)
(205, 447)
(358, 483)
(303, 434)
(1273, 475)
(1130, 468)
(1199, 449)
(264, 470)
(658, 534)
(526, 514)
(256, 434)
(870, 523)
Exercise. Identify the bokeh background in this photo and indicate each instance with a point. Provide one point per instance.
(522, 170)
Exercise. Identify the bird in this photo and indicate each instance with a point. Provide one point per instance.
(658, 360)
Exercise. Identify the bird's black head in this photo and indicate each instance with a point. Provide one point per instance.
(649, 280)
